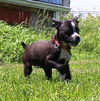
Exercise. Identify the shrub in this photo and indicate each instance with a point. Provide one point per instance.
(12, 36)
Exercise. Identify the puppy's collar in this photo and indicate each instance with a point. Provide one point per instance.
(58, 44)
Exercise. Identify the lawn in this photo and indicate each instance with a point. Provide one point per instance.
(85, 65)
(84, 86)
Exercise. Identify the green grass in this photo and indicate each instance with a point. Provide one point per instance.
(85, 66)
(85, 84)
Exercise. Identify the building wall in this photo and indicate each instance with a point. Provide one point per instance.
(13, 16)
(41, 17)
(16, 14)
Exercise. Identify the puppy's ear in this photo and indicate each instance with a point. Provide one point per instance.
(56, 23)
(76, 19)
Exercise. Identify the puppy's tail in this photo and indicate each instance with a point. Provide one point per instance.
(23, 45)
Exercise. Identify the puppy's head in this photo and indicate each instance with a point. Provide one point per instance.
(67, 31)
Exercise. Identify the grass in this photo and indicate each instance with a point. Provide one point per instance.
(85, 66)
(85, 84)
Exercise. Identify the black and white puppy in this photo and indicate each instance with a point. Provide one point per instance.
(55, 53)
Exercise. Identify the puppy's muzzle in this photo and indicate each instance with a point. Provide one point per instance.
(75, 39)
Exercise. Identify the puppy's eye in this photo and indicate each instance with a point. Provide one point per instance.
(67, 32)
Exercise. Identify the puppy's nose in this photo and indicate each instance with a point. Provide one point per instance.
(78, 38)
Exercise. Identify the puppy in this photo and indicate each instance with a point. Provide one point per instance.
(55, 53)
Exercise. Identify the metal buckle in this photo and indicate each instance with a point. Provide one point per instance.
(56, 46)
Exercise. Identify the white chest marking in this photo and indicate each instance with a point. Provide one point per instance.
(65, 55)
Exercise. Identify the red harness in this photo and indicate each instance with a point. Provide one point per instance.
(57, 44)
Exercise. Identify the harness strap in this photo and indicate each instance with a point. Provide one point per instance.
(58, 44)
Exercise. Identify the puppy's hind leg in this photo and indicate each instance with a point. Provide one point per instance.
(27, 69)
